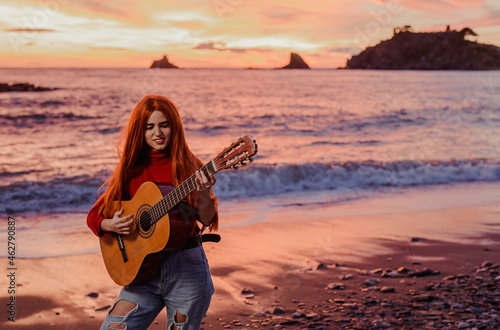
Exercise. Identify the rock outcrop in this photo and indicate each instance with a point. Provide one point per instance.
(23, 87)
(448, 50)
(163, 64)
(296, 62)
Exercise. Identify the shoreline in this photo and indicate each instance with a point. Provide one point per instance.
(60, 229)
(278, 260)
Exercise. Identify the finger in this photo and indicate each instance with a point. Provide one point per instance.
(199, 176)
(129, 225)
(212, 179)
(203, 177)
(197, 179)
(119, 212)
(126, 218)
(201, 181)
(126, 226)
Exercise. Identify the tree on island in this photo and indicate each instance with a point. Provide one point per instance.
(406, 28)
(467, 32)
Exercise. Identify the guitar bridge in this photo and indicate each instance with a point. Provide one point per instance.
(121, 246)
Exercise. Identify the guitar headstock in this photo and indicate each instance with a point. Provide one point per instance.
(238, 153)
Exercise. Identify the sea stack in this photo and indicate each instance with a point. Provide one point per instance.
(163, 64)
(296, 62)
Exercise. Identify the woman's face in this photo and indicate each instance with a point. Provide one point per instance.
(158, 131)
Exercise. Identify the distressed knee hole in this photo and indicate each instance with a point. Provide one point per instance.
(122, 308)
(178, 319)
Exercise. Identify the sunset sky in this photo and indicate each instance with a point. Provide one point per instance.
(220, 33)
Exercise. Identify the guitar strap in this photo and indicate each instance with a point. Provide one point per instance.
(210, 238)
(197, 240)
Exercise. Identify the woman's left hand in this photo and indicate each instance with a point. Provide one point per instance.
(202, 182)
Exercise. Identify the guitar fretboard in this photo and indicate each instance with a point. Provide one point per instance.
(168, 202)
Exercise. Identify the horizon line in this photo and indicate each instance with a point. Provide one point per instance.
(174, 69)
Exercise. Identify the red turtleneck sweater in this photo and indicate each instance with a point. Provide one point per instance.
(158, 170)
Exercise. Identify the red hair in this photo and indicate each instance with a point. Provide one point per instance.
(135, 153)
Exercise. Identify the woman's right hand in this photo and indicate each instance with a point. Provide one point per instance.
(118, 224)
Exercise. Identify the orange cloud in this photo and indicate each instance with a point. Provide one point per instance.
(29, 30)
(190, 25)
(221, 47)
(106, 49)
(123, 9)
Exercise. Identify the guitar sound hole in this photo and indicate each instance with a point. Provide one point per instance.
(145, 222)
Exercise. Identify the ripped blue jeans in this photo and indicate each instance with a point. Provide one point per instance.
(182, 284)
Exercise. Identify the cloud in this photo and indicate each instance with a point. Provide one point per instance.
(127, 9)
(283, 14)
(347, 49)
(210, 46)
(108, 48)
(190, 25)
(221, 47)
(467, 3)
(448, 9)
(29, 30)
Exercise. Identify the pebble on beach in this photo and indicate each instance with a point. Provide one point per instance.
(456, 301)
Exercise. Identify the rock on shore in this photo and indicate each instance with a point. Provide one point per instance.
(296, 62)
(163, 64)
(448, 50)
(465, 300)
(23, 87)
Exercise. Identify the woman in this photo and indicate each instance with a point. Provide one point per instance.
(155, 149)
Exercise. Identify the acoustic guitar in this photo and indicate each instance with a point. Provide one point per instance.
(159, 222)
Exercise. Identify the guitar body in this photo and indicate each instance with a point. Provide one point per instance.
(146, 243)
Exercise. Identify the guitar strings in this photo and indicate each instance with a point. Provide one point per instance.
(145, 220)
(173, 198)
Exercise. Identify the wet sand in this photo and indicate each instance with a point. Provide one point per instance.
(276, 271)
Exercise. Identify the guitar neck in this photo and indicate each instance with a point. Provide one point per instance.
(168, 202)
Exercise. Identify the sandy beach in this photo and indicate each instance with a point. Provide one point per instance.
(275, 272)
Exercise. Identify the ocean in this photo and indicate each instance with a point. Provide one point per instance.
(324, 137)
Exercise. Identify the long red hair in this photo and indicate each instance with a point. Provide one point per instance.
(133, 153)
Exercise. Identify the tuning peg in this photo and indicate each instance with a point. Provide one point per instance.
(250, 159)
(235, 167)
(243, 162)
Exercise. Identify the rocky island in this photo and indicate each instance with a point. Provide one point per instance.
(447, 50)
(163, 64)
(296, 62)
